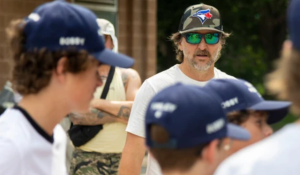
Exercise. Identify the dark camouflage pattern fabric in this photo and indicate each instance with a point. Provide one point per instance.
(93, 163)
(191, 22)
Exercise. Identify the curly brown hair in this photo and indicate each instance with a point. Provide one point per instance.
(32, 71)
(176, 38)
(238, 117)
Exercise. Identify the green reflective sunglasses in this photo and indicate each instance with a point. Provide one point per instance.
(195, 38)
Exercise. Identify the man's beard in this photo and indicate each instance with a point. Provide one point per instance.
(210, 62)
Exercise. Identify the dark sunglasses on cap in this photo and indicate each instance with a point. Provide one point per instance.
(195, 38)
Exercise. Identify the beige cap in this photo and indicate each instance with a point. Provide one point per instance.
(107, 28)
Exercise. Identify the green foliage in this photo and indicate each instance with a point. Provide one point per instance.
(288, 119)
(258, 29)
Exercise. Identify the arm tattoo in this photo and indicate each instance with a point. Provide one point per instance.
(95, 117)
(128, 74)
(124, 112)
(124, 77)
(100, 115)
(133, 76)
(97, 113)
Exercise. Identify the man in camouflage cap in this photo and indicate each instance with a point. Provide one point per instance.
(198, 42)
(200, 19)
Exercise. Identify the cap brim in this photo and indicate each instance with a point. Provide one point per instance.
(200, 28)
(277, 109)
(114, 59)
(236, 132)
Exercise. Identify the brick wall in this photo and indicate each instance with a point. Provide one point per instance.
(10, 10)
(137, 33)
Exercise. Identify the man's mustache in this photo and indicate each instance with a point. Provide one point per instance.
(202, 52)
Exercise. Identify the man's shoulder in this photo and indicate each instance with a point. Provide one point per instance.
(129, 74)
(154, 84)
(14, 128)
(12, 135)
(165, 77)
(11, 120)
(221, 74)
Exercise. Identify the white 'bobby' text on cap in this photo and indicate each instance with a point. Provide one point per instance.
(230, 102)
(71, 41)
(215, 126)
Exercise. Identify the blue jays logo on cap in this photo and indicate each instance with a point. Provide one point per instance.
(203, 15)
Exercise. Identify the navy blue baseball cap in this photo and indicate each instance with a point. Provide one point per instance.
(59, 25)
(191, 117)
(238, 94)
(294, 22)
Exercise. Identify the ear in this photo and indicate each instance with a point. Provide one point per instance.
(209, 152)
(221, 46)
(226, 144)
(287, 45)
(180, 44)
(60, 70)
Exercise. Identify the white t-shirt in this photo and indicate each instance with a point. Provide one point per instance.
(148, 89)
(26, 149)
(277, 155)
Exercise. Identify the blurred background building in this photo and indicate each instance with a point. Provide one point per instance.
(134, 20)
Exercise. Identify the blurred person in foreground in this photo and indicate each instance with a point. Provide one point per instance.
(278, 154)
(246, 107)
(56, 59)
(187, 130)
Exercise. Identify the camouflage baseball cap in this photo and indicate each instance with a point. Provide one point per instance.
(200, 17)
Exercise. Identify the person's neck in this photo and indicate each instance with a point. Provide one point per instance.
(45, 109)
(196, 169)
(196, 74)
